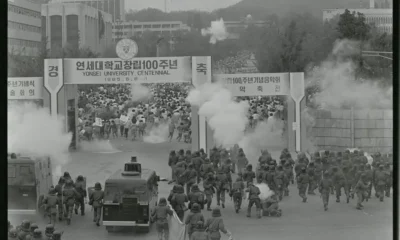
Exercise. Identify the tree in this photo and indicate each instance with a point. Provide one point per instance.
(353, 26)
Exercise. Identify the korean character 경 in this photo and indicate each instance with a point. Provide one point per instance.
(173, 64)
(163, 63)
(80, 66)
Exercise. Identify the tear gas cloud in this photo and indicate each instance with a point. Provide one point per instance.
(157, 134)
(225, 116)
(32, 131)
(217, 31)
(338, 88)
(265, 191)
(139, 92)
(266, 135)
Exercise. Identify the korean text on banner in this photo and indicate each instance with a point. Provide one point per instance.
(25, 88)
(177, 229)
(255, 84)
(115, 70)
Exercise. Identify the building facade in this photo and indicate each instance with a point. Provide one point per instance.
(379, 13)
(114, 7)
(77, 25)
(130, 29)
(24, 28)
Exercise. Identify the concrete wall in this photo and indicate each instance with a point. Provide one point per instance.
(337, 129)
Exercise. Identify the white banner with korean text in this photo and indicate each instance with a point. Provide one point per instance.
(137, 70)
(255, 84)
(28, 88)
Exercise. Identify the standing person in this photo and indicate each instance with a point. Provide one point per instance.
(59, 190)
(254, 198)
(215, 225)
(193, 217)
(134, 130)
(380, 181)
(302, 182)
(197, 162)
(159, 215)
(96, 200)
(107, 129)
(221, 185)
(209, 185)
(234, 157)
(114, 129)
(127, 126)
(324, 188)
(70, 195)
(171, 129)
(190, 176)
(178, 202)
(237, 193)
(141, 127)
(122, 125)
(339, 181)
(117, 123)
(172, 161)
(361, 191)
(249, 175)
(80, 201)
(196, 196)
(180, 129)
(51, 202)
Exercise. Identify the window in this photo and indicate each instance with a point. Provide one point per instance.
(157, 26)
(11, 171)
(147, 26)
(137, 26)
(24, 170)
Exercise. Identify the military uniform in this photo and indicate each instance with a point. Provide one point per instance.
(248, 175)
(69, 195)
(178, 202)
(279, 180)
(380, 182)
(159, 215)
(302, 182)
(340, 182)
(324, 188)
(24, 231)
(193, 217)
(80, 201)
(237, 193)
(59, 189)
(206, 168)
(241, 161)
(254, 199)
(215, 225)
(190, 176)
(196, 196)
(221, 186)
(51, 202)
(96, 200)
(361, 191)
(199, 232)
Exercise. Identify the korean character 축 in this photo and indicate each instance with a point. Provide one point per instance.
(173, 64)
(201, 68)
(80, 66)
(163, 63)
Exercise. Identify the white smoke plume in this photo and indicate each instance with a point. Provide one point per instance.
(266, 135)
(98, 146)
(157, 134)
(265, 191)
(139, 92)
(33, 132)
(217, 31)
(338, 87)
(225, 116)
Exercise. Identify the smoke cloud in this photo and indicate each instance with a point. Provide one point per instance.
(265, 191)
(225, 116)
(157, 134)
(139, 92)
(32, 131)
(217, 31)
(266, 135)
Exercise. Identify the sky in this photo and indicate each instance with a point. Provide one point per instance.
(176, 5)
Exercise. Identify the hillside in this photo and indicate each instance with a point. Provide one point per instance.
(259, 9)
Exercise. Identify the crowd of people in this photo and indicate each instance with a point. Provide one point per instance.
(107, 111)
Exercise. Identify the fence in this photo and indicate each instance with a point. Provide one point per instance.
(336, 129)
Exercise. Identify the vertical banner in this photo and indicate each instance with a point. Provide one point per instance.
(201, 73)
(53, 81)
(297, 93)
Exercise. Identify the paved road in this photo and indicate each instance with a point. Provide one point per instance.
(299, 220)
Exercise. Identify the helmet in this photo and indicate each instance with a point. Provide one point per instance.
(216, 212)
(13, 233)
(66, 175)
(37, 233)
(272, 168)
(79, 178)
(381, 165)
(249, 166)
(57, 235)
(34, 226)
(26, 224)
(199, 225)
(49, 229)
(195, 187)
(326, 173)
(97, 186)
(195, 207)
(162, 201)
(61, 180)
(207, 160)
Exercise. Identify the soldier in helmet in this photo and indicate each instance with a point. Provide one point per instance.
(380, 181)
(237, 193)
(361, 191)
(206, 168)
(221, 186)
(302, 183)
(66, 176)
(215, 225)
(249, 174)
(190, 176)
(178, 202)
(209, 189)
(242, 161)
(193, 217)
(24, 230)
(254, 198)
(37, 234)
(96, 198)
(33, 227)
(228, 169)
(159, 215)
(12, 234)
(199, 232)
(339, 180)
(197, 162)
(59, 189)
(69, 195)
(57, 235)
(324, 188)
(196, 196)
(51, 202)
(389, 179)
(49, 230)
(81, 189)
